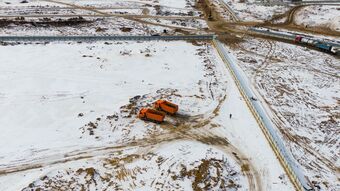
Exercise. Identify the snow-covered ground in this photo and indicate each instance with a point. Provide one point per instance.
(99, 18)
(22, 3)
(69, 110)
(69, 120)
(319, 16)
(301, 90)
(248, 10)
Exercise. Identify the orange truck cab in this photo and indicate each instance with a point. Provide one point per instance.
(151, 115)
(166, 106)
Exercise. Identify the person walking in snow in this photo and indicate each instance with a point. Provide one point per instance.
(230, 115)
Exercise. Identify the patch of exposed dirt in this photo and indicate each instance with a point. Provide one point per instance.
(60, 182)
(126, 29)
(289, 15)
(217, 24)
(45, 22)
(204, 179)
(209, 173)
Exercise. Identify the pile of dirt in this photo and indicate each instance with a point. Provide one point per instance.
(45, 22)
(80, 179)
(210, 174)
(126, 29)
(137, 102)
(100, 29)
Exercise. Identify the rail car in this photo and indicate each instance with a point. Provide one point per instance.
(324, 46)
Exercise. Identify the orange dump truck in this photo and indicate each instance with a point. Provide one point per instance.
(166, 106)
(151, 115)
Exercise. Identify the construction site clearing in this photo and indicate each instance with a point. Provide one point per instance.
(141, 114)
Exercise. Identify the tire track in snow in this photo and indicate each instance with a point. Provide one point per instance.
(193, 132)
(132, 18)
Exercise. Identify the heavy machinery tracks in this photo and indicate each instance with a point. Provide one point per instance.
(132, 18)
(289, 15)
(271, 46)
(190, 128)
(193, 131)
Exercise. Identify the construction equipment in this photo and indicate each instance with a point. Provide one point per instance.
(166, 106)
(151, 115)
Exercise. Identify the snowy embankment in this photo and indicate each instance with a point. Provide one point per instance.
(319, 16)
(251, 11)
(69, 120)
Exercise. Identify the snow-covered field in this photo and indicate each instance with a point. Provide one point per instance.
(69, 109)
(319, 16)
(99, 17)
(69, 120)
(301, 89)
(248, 10)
